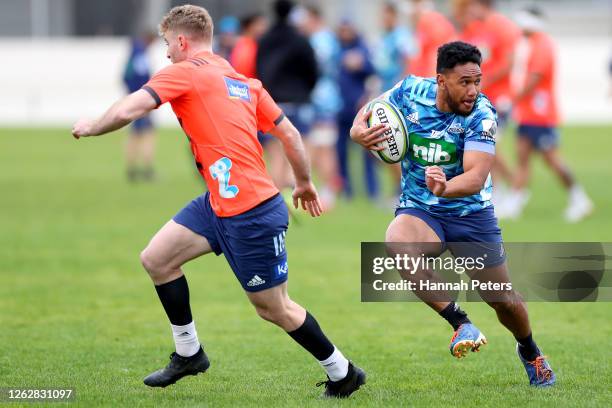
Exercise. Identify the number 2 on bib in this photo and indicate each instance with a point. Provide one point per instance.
(220, 171)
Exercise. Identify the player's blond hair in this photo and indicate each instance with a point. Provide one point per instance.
(191, 20)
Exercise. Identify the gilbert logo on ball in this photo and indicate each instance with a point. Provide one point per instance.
(396, 143)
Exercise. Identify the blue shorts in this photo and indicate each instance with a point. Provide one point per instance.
(323, 115)
(541, 137)
(264, 138)
(300, 114)
(142, 124)
(253, 242)
(472, 235)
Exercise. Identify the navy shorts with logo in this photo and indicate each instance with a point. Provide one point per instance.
(253, 242)
(472, 235)
(541, 137)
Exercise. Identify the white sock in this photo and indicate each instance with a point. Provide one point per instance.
(186, 339)
(335, 365)
(576, 193)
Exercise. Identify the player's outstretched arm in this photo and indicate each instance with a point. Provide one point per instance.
(122, 112)
(367, 137)
(305, 192)
(476, 166)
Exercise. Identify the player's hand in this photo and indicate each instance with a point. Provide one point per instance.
(305, 194)
(435, 180)
(368, 137)
(82, 128)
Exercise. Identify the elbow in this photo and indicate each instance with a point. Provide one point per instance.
(127, 111)
(476, 190)
(124, 116)
(288, 137)
(294, 137)
(477, 186)
(465, 189)
(291, 134)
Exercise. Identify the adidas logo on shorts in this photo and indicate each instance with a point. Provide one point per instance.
(256, 281)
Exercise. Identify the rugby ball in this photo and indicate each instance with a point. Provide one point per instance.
(396, 145)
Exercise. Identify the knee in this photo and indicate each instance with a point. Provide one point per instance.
(397, 243)
(393, 236)
(499, 306)
(523, 161)
(507, 305)
(153, 264)
(276, 315)
(264, 312)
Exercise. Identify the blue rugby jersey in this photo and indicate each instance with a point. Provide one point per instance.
(439, 138)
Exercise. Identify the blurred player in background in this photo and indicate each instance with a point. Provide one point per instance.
(394, 49)
(227, 35)
(460, 15)
(244, 54)
(287, 67)
(140, 145)
(432, 29)
(326, 102)
(446, 191)
(538, 120)
(497, 37)
(391, 57)
(355, 68)
(242, 215)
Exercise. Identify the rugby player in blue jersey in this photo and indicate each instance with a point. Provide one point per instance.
(446, 194)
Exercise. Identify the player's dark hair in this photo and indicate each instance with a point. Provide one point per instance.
(456, 53)
(282, 8)
(249, 19)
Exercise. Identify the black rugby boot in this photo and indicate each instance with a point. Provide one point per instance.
(178, 368)
(354, 379)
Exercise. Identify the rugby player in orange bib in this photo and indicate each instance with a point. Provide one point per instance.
(537, 114)
(432, 29)
(242, 215)
(497, 38)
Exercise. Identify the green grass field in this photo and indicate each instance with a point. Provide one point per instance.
(77, 309)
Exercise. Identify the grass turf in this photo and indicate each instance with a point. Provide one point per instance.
(77, 310)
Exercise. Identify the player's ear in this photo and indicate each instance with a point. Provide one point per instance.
(182, 43)
(440, 80)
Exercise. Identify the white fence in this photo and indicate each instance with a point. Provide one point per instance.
(56, 81)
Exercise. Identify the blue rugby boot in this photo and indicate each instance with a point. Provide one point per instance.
(539, 371)
(466, 338)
